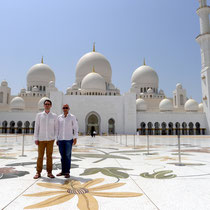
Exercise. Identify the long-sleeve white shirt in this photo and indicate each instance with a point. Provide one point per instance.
(46, 126)
(67, 127)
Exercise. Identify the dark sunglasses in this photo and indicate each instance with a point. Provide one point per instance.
(65, 107)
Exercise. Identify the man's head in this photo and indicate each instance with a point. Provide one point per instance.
(66, 108)
(47, 105)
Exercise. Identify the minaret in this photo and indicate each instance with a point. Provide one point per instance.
(204, 41)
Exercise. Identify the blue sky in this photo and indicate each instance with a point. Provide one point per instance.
(125, 31)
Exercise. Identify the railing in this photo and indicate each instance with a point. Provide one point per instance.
(151, 143)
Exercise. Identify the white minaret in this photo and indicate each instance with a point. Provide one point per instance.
(204, 40)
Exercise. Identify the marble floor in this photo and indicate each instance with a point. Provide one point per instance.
(109, 173)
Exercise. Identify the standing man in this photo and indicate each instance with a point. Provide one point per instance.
(46, 127)
(67, 135)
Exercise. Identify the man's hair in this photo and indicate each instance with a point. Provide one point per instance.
(47, 100)
(66, 105)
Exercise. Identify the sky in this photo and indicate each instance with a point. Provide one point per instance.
(125, 32)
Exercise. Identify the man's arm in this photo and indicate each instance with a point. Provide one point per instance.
(75, 128)
(56, 127)
(36, 130)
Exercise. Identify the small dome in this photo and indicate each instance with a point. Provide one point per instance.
(93, 82)
(40, 73)
(17, 103)
(51, 84)
(23, 90)
(4, 83)
(179, 86)
(96, 59)
(191, 105)
(111, 86)
(150, 91)
(145, 76)
(74, 86)
(141, 105)
(165, 105)
(68, 90)
(41, 103)
(35, 89)
(161, 92)
(141, 95)
(200, 107)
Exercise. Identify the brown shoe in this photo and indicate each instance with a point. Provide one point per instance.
(67, 176)
(60, 174)
(38, 175)
(51, 176)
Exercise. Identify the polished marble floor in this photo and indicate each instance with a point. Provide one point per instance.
(109, 173)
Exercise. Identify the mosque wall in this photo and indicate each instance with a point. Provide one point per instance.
(191, 120)
(122, 109)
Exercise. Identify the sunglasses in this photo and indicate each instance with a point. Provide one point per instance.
(47, 104)
(65, 107)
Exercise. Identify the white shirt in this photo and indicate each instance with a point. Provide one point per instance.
(46, 126)
(67, 127)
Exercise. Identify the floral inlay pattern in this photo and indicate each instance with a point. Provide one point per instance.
(159, 175)
(107, 171)
(85, 193)
(9, 172)
(164, 158)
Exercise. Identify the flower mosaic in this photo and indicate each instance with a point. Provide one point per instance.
(56, 166)
(5, 155)
(201, 150)
(9, 172)
(21, 164)
(164, 158)
(101, 157)
(159, 175)
(85, 192)
(108, 171)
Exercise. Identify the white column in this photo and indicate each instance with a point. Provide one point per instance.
(204, 41)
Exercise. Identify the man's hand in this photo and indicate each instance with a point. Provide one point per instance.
(57, 143)
(75, 141)
(37, 142)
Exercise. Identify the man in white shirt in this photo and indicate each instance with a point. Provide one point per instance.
(67, 135)
(45, 133)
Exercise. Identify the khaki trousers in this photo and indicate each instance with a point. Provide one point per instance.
(49, 150)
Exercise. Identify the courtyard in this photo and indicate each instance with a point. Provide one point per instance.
(109, 172)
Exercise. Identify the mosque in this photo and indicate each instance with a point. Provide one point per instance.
(99, 105)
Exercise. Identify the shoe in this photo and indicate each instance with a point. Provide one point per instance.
(60, 174)
(67, 176)
(38, 175)
(51, 176)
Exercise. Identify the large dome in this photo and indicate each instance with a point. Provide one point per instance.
(93, 82)
(145, 76)
(40, 73)
(4, 83)
(86, 63)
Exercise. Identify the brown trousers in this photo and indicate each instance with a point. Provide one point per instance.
(49, 150)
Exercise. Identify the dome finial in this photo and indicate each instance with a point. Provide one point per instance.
(42, 60)
(94, 46)
(93, 69)
(144, 63)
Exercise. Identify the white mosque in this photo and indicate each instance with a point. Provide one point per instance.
(98, 104)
